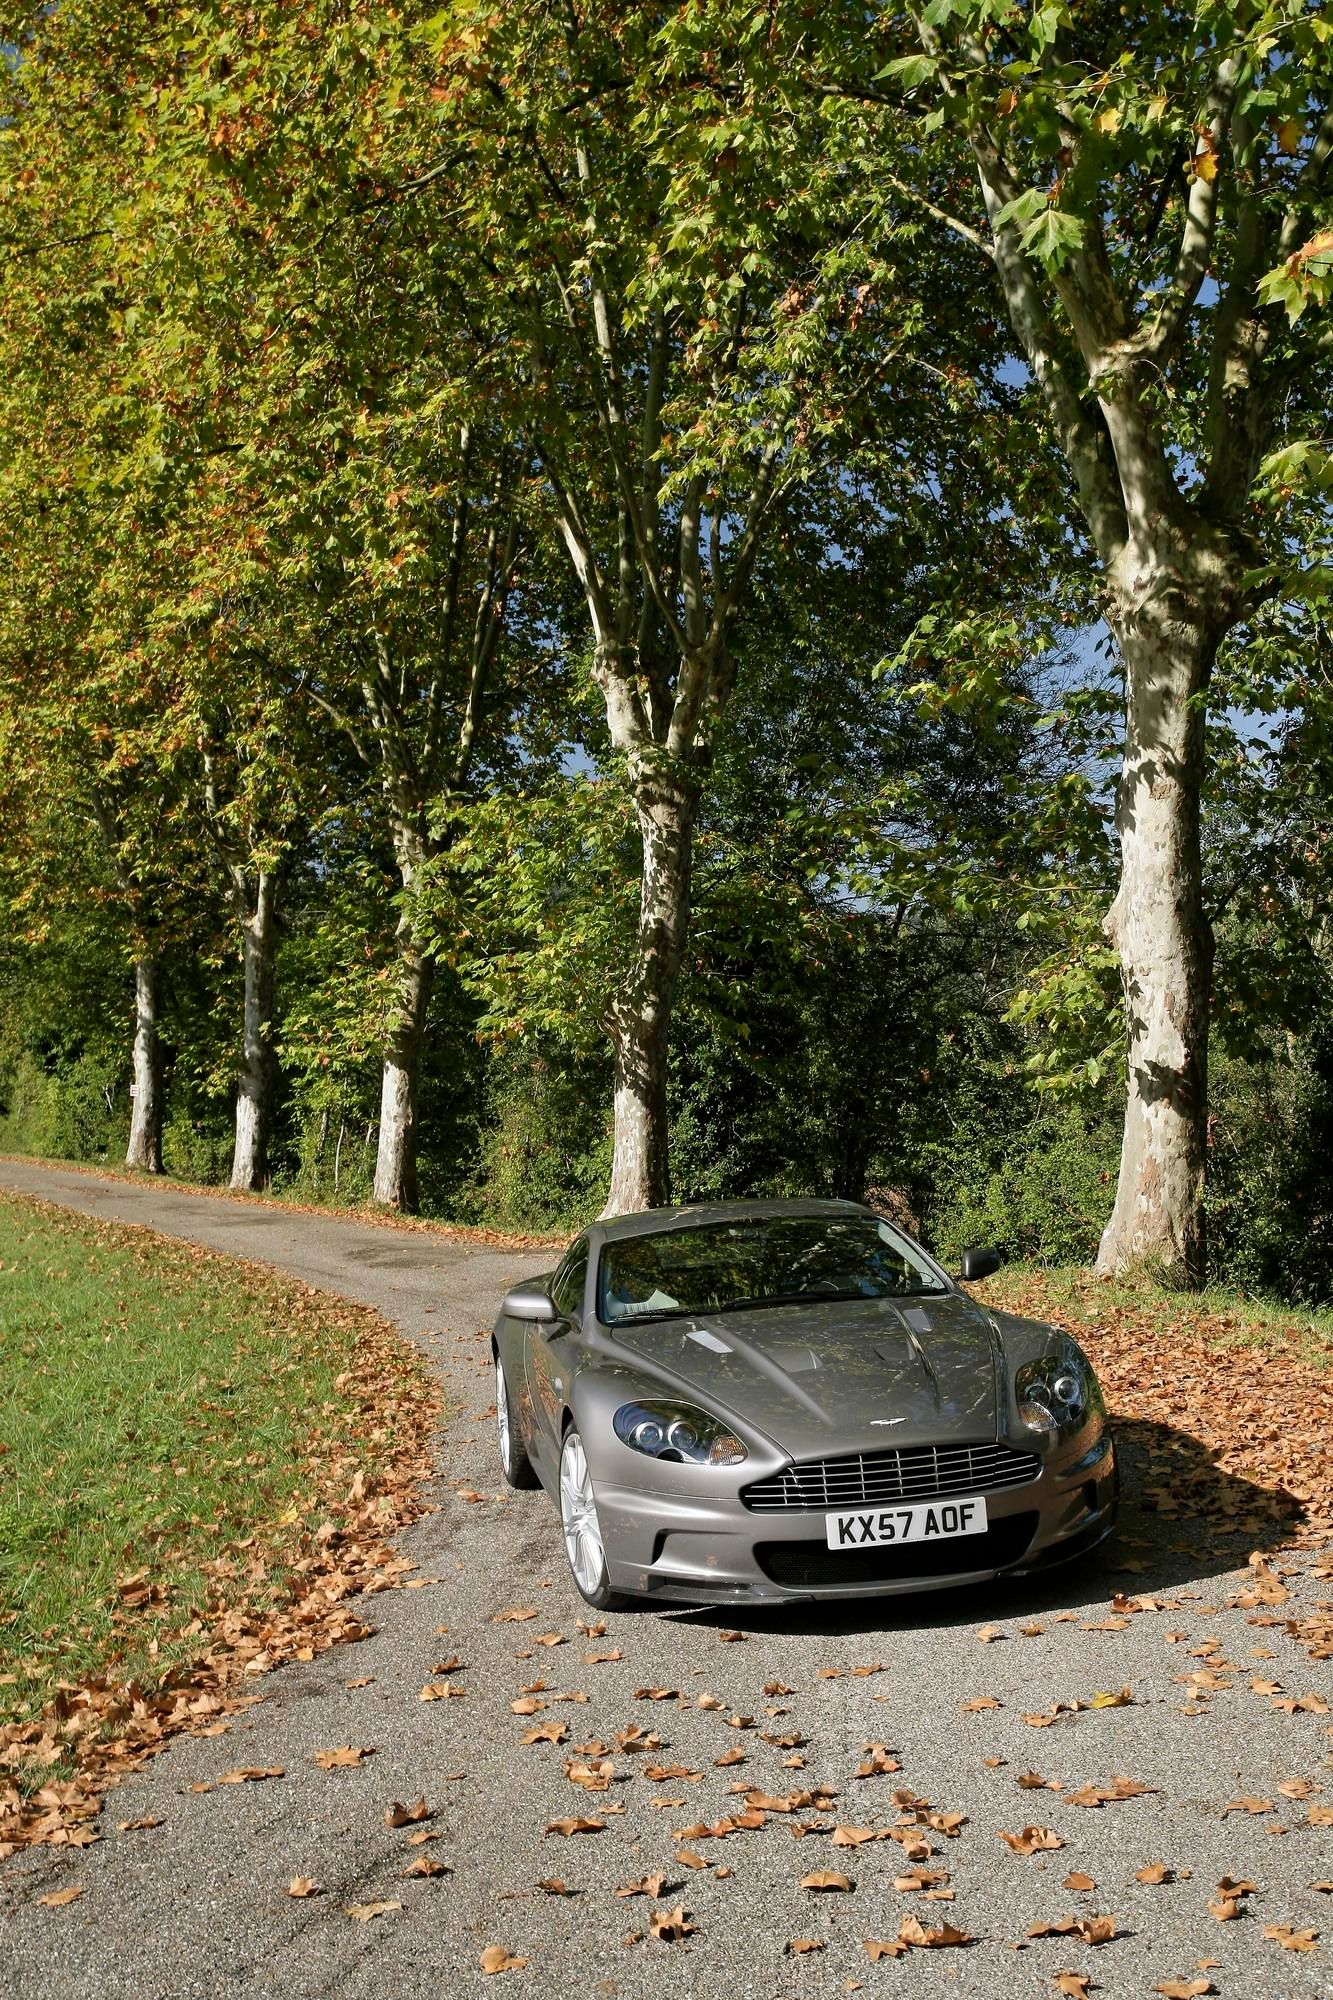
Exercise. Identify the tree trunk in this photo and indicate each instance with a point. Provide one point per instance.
(641, 1015)
(1168, 634)
(145, 1148)
(255, 1082)
(396, 1160)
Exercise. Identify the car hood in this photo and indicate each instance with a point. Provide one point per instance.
(820, 1379)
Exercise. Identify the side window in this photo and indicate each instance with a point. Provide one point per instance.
(570, 1280)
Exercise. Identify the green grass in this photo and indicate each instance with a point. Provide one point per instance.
(158, 1405)
(1222, 1317)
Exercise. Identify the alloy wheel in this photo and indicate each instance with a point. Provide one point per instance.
(578, 1517)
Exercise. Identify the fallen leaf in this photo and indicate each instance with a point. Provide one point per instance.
(517, 1615)
(650, 1885)
(345, 1757)
(1033, 1840)
(301, 1886)
(1074, 1985)
(576, 1825)
(825, 1879)
(1092, 1930)
(423, 1865)
(365, 1912)
(498, 1957)
(801, 1947)
(1155, 1873)
(400, 1815)
(1248, 1806)
(553, 1886)
(877, 1948)
(1184, 1989)
(912, 1931)
(1288, 1939)
(1076, 1879)
(553, 1731)
(138, 1825)
(670, 1925)
(250, 1774)
(59, 1898)
(980, 1702)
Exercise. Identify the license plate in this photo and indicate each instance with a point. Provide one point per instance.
(930, 1521)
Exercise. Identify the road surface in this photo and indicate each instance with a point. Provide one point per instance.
(197, 1906)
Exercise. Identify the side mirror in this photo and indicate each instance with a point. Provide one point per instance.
(529, 1302)
(979, 1264)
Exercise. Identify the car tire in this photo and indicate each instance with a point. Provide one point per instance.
(580, 1529)
(514, 1461)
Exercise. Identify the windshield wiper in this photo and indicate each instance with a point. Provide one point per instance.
(760, 1299)
(651, 1312)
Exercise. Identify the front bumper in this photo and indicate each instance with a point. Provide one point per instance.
(687, 1548)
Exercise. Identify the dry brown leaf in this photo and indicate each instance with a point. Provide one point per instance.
(802, 1947)
(250, 1774)
(138, 1825)
(516, 1615)
(553, 1731)
(980, 1702)
(650, 1885)
(1033, 1840)
(345, 1757)
(441, 1691)
(733, 1756)
(1074, 1985)
(398, 1814)
(825, 1879)
(498, 1957)
(301, 1886)
(551, 1885)
(687, 1858)
(59, 1899)
(877, 1948)
(670, 1925)
(1184, 1989)
(912, 1931)
(1288, 1939)
(366, 1912)
(576, 1825)
(1092, 1930)
(423, 1865)
(1248, 1806)
(1076, 1879)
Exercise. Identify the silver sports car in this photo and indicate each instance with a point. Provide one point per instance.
(790, 1399)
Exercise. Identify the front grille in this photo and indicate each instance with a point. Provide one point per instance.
(811, 1566)
(877, 1478)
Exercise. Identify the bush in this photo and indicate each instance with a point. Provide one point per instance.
(546, 1151)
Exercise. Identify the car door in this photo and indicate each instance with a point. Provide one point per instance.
(550, 1356)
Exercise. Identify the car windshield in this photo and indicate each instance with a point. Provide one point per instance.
(773, 1260)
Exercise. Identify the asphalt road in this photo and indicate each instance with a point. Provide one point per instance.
(198, 1905)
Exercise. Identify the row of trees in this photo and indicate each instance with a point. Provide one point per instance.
(512, 460)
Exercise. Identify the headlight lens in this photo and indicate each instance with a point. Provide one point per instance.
(677, 1433)
(1059, 1391)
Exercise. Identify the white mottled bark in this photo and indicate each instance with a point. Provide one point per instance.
(641, 1018)
(396, 1158)
(145, 1148)
(256, 1078)
(1168, 632)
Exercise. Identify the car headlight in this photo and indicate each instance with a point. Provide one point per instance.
(677, 1432)
(1057, 1392)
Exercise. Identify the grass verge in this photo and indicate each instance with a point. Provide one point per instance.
(1219, 1317)
(199, 1460)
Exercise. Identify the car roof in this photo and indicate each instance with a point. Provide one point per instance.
(655, 1221)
